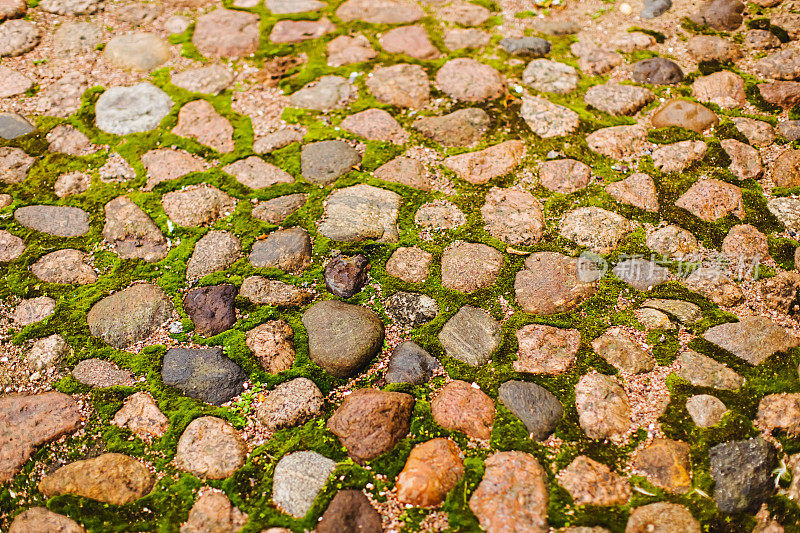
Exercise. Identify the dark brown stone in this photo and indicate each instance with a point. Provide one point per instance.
(350, 510)
(211, 308)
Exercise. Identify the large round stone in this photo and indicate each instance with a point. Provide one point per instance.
(124, 110)
(130, 315)
(342, 338)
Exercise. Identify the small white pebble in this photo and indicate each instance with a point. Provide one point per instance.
(625, 9)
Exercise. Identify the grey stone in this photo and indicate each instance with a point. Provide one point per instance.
(459, 128)
(13, 125)
(278, 209)
(58, 220)
(471, 336)
(204, 374)
(658, 71)
(99, 373)
(139, 51)
(537, 407)
(214, 252)
(742, 471)
(411, 309)
(73, 38)
(342, 338)
(288, 249)
(298, 478)
(753, 338)
(328, 93)
(655, 8)
(526, 46)
(550, 76)
(641, 274)
(124, 110)
(596, 228)
(212, 79)
(325, 161)
(18, 37)
(47, 352)
(70, 7)
(410, 364)
(130, 315)
(361, 212)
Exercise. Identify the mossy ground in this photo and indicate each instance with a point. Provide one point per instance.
(250, 488)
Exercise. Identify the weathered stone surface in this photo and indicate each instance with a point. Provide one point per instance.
(213, 512)
(199, 120)
(131, 233)
(142, 416)
(211, 308)
(753, 338)
(298, 478)
(406, 171)
(18, 37)
(271, 343)
(297, 31)
(68, 140)
(98, 373)
(684, 114)
(665, 463)
(410, 364)
(787, 211)
(350, 510)
(781, 65)
(290, 403)
(325, 161)
(471, 336)
(723, 88)
(29, 421)
(550, 76)
(702, 371)
(705, 410)
(409, 40)
(342, 337)
(361, 212)
(11, 247)
(459, 128)
(469, 267)
(204, 374)
(662, 516)
(130, 315)
(526, 46)
(263, 291)
(346, 50)
(431, 471)
(402, 85)
(210, 448)
(711, 199)
(537, 407)
(480, 167)
(111, 478)
(329, 92)
(226, 33)
(288, 249)
(166, 164)
(65, 266)
(464, 13)
(58, 220)
(603, 407)
(638, 190)
(547, 119)
(553, 283)
(758, 132)
(138, 51)
(124, 110)
(375, 125)
(514, 216)
(657, 71)
(714, 285)
(598, 229)
(780, 411)
(617, 99)
(742, 471)
(215, 251)
(371, 422)
(47, 352)
(621, 350)
(14, 165)
(410, 309)
(592, 483)
(379, 11)
(745, 160)
(546, 349)
(672, 241)
(42, 519)
(676, 157)
(411, 264)
(278, 209)
(618, 142)
(782, 93)
(33, 310)
(723, 15)
(212, 79)
(461, 407)
(785, 170)
(467, 80)
(513, 494)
